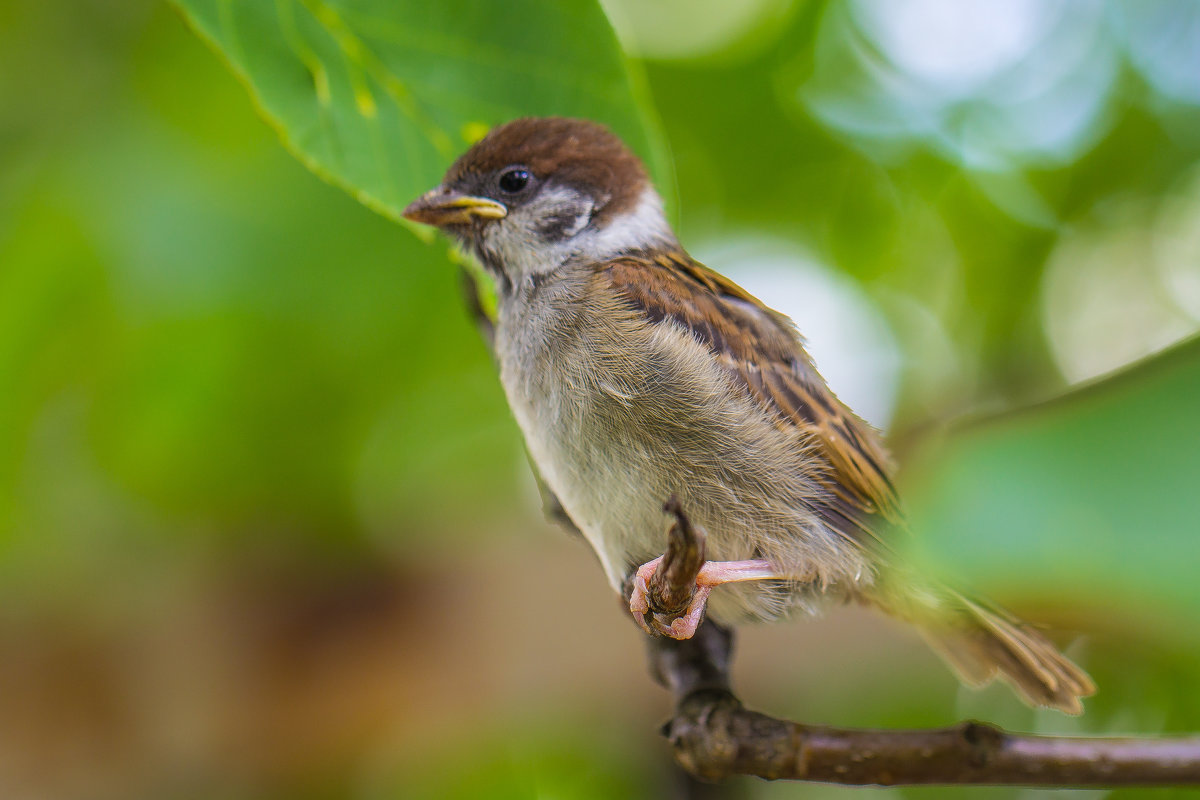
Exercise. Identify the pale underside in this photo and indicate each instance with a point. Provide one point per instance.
(636, 412)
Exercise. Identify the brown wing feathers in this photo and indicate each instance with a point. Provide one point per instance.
(765, 354)
(760, 347)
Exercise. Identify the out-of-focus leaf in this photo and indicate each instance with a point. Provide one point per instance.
(379, 96)
(1093, 493)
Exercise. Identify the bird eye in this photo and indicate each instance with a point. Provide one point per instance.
(514, 180)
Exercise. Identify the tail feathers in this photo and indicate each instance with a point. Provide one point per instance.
(981, 643)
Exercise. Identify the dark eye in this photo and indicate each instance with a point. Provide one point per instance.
(514, 180)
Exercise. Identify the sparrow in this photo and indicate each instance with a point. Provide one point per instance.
(637, 374)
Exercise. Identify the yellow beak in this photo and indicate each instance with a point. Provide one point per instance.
(442, 206)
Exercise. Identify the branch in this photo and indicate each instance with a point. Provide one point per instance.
(715, 737)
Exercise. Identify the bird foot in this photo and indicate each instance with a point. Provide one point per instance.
(682, 625)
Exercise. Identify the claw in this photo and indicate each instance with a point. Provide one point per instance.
(639, 597)
(639, 604)
(685, 627)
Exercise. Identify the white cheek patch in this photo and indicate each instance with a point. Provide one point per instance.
(581, 221)
(519, 244)
(562, 213)
(644, 226)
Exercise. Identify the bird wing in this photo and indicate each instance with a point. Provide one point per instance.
(765, 355)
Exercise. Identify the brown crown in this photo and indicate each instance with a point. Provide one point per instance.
(575, 152)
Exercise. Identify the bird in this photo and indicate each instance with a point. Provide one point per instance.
(638, 374)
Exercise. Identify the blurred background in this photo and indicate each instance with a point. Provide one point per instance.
(266, 527)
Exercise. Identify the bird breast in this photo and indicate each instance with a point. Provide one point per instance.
(620, 413)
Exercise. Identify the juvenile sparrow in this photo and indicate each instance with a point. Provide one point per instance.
(637, 374)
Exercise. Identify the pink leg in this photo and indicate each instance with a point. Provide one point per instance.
(713, 573)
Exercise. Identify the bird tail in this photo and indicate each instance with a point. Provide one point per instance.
(981, 642)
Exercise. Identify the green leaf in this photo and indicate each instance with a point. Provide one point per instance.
(379, 96)
(1095, 493)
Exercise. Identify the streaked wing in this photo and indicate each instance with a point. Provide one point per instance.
(763, 351)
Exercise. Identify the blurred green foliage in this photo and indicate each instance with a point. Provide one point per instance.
(203, 349)
(1094, 492)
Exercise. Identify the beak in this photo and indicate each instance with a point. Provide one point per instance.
(442, 206)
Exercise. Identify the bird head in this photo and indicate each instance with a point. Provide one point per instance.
(539, 192)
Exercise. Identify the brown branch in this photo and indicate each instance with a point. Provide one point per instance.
(714, 736)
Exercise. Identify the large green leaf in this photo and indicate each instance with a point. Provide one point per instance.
(1097, 493)
(379, 96)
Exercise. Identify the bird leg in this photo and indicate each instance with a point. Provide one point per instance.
(674, 588)
(713, 573)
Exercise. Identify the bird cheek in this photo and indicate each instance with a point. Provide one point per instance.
(559, 226)
(565, 221)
